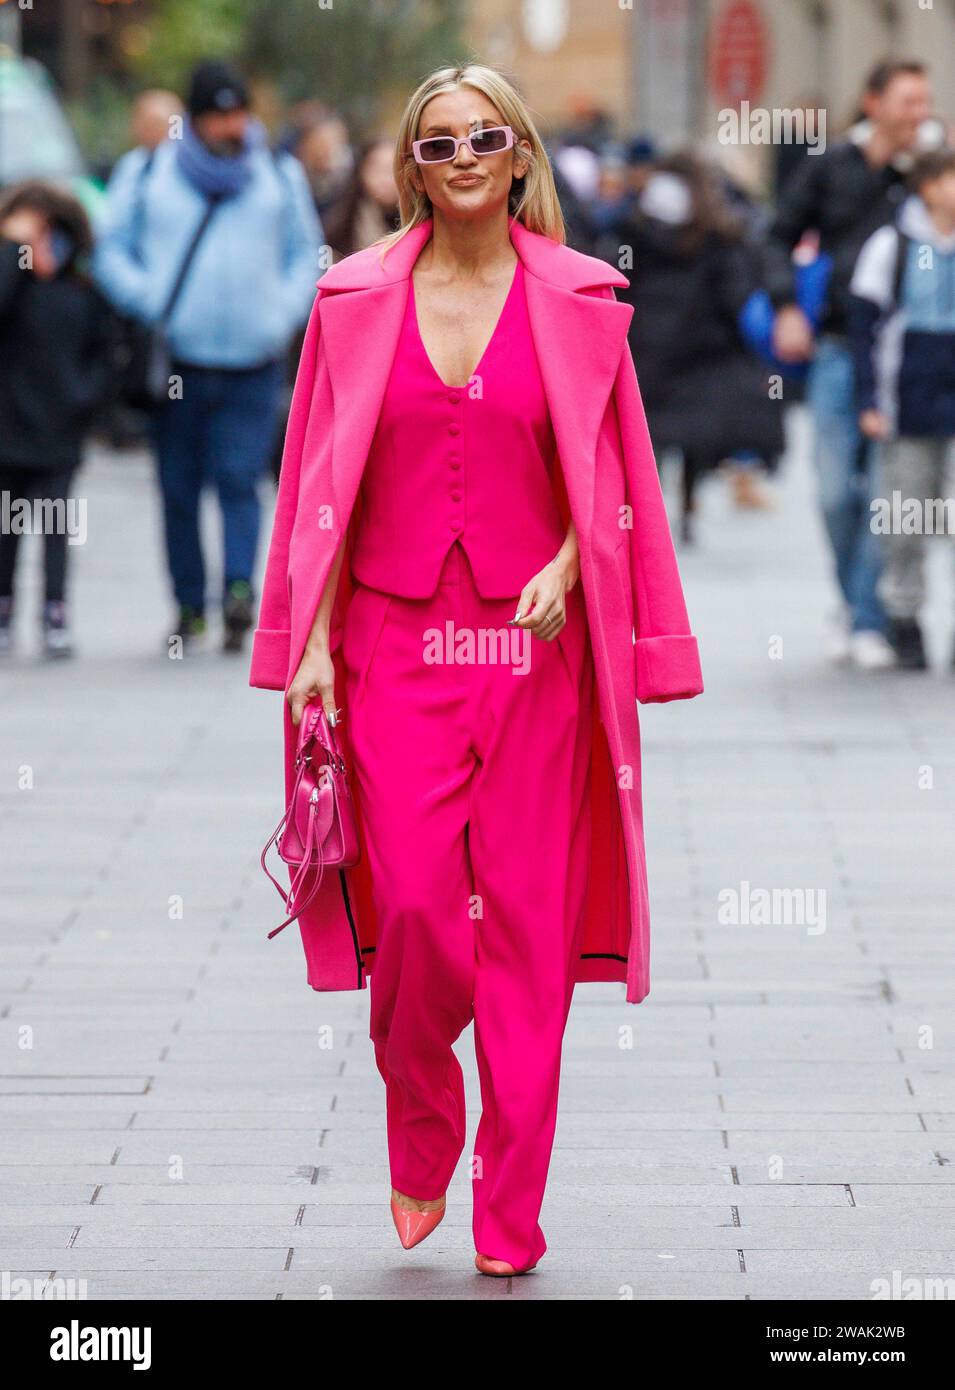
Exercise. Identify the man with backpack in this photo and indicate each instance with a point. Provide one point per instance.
(902, 319)
(845, 194)
(216, 245)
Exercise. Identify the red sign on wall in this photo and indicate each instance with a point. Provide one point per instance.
(738, 53)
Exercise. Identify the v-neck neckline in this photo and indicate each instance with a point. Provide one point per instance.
(487, 346)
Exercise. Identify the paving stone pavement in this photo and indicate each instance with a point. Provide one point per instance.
(180, 1117)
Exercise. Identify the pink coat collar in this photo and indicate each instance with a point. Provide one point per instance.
(548, 260)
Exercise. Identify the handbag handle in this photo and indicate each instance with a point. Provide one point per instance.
(322, 733)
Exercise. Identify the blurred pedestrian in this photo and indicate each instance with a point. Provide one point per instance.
(578, 228)
(640, 155)
(579, 166)
(788, 155)
(368, 208)
(614, 194)
(902, 317)
(692, 271)
(588, 124)
(845, 194)
(153, 115)
(218, 243)
(54, 345)
(318, 138)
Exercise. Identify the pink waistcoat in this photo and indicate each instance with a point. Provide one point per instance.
(470, 464)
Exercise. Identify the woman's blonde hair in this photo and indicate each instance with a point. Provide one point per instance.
(533, 199)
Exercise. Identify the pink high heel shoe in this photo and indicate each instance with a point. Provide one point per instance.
(415, 1226)
(498, 1269)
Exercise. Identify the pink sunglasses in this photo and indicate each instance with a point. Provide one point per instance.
(439, 149)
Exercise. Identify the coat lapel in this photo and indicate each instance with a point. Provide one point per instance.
(362, 307)
(578, 340)
(360, 333)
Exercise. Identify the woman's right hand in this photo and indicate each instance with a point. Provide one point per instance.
(314, 680)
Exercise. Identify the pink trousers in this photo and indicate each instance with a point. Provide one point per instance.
(471, 743)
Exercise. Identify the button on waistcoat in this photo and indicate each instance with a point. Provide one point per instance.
(470, 464)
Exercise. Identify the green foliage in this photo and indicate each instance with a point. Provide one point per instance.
(352, 54)
(101, 123)
(180, 32)
(356, 55)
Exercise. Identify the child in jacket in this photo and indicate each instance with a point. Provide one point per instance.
(902, 325)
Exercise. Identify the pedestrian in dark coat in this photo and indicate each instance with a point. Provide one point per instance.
(54, 347)
(841, 196)
(692, 270)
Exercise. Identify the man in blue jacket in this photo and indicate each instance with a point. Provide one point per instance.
(249, 284)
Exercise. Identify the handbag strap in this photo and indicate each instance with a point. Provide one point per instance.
(293, 906)
(211, 205)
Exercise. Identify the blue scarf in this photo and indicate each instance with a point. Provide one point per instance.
(214, 175)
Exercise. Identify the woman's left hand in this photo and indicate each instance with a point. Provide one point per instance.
(542, 606)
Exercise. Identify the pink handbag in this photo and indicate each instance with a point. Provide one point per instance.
(318, 830)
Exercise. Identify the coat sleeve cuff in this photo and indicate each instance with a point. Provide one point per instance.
(270, 658)
(668, 668)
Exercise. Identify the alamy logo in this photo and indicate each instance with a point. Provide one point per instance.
(914, 1287)
(16, 1288)
(76, 1343)
(747, 906)
(912, 516)
(760, 125)
(481, 646)
(46, 516)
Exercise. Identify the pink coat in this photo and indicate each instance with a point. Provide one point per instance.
(642, 646)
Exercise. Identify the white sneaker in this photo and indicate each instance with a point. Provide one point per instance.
(870, 651)
(837, 638)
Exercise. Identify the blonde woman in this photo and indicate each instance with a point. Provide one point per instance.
(471, 568)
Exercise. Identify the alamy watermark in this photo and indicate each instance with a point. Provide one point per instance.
(76, 1343)
(747, 906)
(44, 516)
(480, 646)
(914, 1287)
(761, 125)
(17, 1288)
(912, 516)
